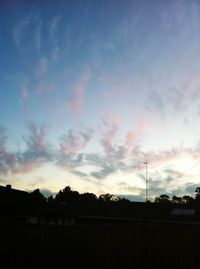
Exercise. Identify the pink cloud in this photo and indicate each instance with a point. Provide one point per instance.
(164, 157)
(73, 142)
(110, 130)
(130, 137)
(133, 135)
(76, 101)
(77, 98)
(27, 168)
(37, 151)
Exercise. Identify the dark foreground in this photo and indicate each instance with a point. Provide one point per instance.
(143, 245)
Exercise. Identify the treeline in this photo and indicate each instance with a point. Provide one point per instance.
(186, 199)
(83, 203)
(68, 197)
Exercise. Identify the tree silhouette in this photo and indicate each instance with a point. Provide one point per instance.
(123, 200)
(50, 200)
(197, 196)
(163, 198)
(177, 200)
(187, 199)
(88, 197)
(37, 198)
(108, 197)
(67, 196)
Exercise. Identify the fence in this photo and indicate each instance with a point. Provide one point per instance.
(142, 245)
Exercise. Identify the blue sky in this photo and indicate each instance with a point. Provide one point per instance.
(91, 89)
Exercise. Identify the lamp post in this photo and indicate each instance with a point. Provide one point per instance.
(146, 179)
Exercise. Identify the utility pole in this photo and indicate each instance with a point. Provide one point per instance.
(146, 178)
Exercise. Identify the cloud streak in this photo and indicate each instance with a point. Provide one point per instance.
(24, 94)
(38, 33)
(45, 87)
(133, 136)
(37, 151)
(42, 67)
(19, 31)
(76, 100)
(110, 128)
(53, 27)
(72, 142)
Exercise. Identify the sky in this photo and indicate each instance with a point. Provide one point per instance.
(90, 90)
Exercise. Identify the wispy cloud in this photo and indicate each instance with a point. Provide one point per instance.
(72, 142)
(102, 166)
(110, 128)
(38, 32)
(104, 172)
(24, 94)
(55, 53)
(70, 162)
(69, 155)
(164, 157)
(53, 37)
(116, 156)
(37, 152)
(42, 67)
(76, 99)
(53, 27)
(45, 87)
(132, 136)
(36, 141)
(80, 174)
(19, 31)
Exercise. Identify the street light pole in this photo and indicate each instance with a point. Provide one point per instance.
(146, 178)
